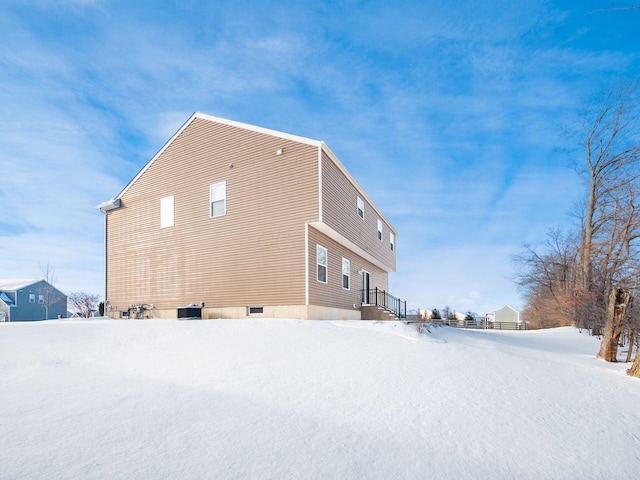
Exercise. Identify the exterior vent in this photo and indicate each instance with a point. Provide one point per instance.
(255, 310)
(190, 312)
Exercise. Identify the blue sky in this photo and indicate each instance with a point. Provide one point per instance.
(449, 114)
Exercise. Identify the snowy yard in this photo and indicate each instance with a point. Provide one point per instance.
(279, 399)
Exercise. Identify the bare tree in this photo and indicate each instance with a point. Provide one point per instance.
(83, 303)
(49, 292)
(615, 263)
(634, 371)
(611, 157)
(591, 277)
(609, 223)
(547, 276)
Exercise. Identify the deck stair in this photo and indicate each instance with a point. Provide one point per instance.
(380, 305)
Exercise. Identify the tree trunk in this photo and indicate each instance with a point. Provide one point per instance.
(616, 308)
(632, 341)
(634, 371)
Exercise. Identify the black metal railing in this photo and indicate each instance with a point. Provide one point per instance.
(381, 298)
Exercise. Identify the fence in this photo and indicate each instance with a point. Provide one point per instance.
(473, 324)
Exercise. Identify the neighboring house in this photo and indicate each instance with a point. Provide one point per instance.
(504, 316)
(245, 221)
(28, 300)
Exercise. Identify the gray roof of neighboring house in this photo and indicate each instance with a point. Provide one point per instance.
(12, 285)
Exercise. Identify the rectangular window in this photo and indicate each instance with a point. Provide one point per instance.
(346, 274)
(41, 299)
(218, 199)
(321, 260)
(360, 208)
(32, 298)
(379, 229)
(166, 212)
(392, 241)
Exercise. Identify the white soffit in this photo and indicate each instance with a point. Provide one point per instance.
(345, 242)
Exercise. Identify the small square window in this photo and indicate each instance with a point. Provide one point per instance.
(360, 208)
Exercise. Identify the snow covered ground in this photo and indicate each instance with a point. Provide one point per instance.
(279, 399)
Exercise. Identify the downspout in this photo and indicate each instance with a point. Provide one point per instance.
(105, 207)
(106, 263)
(306, 265)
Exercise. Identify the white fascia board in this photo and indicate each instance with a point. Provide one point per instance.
(346, 173)
(254, 128)
(166, 145)
(345, 242)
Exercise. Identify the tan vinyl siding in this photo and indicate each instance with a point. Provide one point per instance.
(339, 211)
(332, 294)
(253, 255)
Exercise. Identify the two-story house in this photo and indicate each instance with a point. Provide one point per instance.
(29, 300)
(246, 221)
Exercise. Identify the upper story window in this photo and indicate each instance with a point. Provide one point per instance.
(346, 274)
(166, 212)
(218, 199)
(379, 229)
(321, 260)
(41, 299)
(32, 298)
(360, 208)
(392, 241)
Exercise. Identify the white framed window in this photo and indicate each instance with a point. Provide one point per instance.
(41, 299)
(255, 310)
(321, 260)
(379, 229)
(392, 241)
(32, 298)
(218, 199)
(166, 211)
(346, 274)
(360, 208)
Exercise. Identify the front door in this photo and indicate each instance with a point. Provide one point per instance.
(365, 287)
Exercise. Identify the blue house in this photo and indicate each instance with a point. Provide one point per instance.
(29, 300)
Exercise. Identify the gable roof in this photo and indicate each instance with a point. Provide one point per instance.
(223, 121)
(11, 285)
(507, 307)
(115, 201)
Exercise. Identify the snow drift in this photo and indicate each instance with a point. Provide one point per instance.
(309, 399)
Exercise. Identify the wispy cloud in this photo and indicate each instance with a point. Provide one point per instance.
(447, 114)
